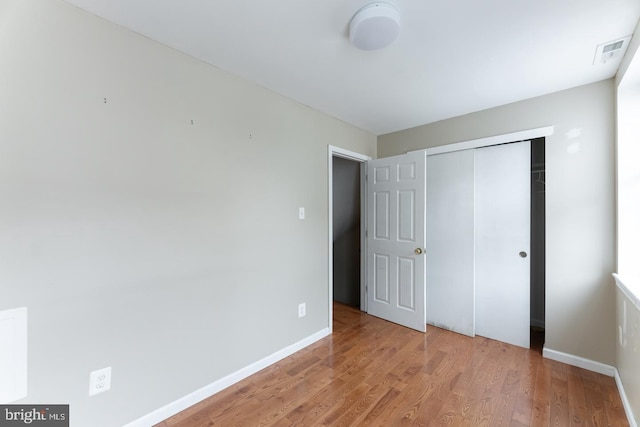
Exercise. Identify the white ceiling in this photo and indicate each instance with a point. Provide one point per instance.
(452, 57)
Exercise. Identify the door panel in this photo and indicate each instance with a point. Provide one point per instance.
(396, 196)
(382, 212)
(502, 233)
(406, 280)
(450, 241)
(407, 222)
(381, 280)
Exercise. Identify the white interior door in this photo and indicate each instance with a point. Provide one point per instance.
(396, 197)
(502, 242)
(450, 241)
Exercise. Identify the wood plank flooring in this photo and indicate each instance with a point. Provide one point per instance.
(374, 373)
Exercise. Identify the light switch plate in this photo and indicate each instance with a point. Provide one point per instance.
(301, 213)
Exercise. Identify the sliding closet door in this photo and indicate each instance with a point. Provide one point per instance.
(502, 220)
(450, 241)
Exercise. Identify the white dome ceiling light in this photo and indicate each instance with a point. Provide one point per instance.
(375, 26)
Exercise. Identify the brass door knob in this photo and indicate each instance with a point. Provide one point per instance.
(419, 251)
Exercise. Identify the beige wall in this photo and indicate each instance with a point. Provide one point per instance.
(580, 298)
(169, 251)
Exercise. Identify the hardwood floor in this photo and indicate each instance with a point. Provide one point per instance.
(374, 373)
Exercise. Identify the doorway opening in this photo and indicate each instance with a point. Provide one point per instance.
(356, 160)
(537, 250)
(346, 232)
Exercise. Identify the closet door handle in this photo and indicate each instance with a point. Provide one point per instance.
(523, 254)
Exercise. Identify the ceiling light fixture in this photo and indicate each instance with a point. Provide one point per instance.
(375, 26)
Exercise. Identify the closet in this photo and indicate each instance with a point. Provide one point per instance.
(478, 241)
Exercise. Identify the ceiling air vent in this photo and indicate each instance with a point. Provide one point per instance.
(611, 50)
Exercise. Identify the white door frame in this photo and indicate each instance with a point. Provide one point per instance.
(360, 158)
(491, 140)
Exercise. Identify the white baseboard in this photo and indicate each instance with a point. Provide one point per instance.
(598, 367)
(625, 401)
(580, 362)
(191, 399)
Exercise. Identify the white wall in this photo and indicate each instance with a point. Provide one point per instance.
(628, 156)
(168, 250)
(580, 303)
(628, 222)
(628, 350)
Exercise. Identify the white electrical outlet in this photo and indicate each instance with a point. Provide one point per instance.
(302, 309)
(99, 381)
